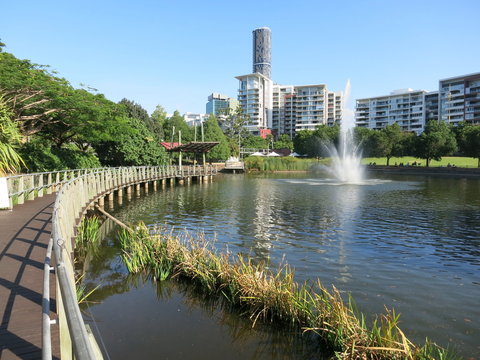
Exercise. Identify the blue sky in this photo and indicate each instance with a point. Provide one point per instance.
(175, 53)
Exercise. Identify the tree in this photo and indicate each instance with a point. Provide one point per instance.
(90, 118)
(178, 122)
(233, 124)
(469, 140)
(436, 141)
(283, 142)
(35, 96)
(386, 142)
(255, 142)
(213, 132)
(159, 116)
(135, 147)
(134, 110)
(10, 136)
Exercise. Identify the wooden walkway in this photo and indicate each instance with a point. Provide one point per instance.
(24, 235)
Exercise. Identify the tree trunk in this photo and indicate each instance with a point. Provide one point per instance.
(428, 162)
(388, 161)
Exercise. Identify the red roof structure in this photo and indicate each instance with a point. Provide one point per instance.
(169, 145)
(195, 147)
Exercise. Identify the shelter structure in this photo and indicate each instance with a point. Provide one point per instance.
(195, 147)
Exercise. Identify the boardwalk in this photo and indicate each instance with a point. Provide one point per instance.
(24, 235)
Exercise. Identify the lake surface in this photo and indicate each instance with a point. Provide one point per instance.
(405, 242)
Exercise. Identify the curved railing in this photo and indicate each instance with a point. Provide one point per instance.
(79, 189)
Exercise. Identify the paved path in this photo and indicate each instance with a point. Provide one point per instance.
(24, 235)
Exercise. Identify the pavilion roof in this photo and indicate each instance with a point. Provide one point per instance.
(194, 146)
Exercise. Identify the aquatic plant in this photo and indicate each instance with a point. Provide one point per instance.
(271, 296)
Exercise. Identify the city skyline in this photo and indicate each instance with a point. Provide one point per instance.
(161, 53)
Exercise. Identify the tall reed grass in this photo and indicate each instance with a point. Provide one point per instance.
(271, 296)
(267, 164)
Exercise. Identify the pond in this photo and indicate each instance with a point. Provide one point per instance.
(410, 243)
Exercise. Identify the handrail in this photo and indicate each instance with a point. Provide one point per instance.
(75, 194)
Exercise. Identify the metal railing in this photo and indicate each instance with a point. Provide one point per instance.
(77, 190)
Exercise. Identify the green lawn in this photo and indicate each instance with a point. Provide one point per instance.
(464, 162)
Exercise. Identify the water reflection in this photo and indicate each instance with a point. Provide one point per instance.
(406, 242)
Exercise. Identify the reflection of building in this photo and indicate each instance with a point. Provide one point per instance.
(218, 104)
(284, 109)
(457, 99)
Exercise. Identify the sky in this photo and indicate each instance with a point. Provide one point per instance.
(176, 53)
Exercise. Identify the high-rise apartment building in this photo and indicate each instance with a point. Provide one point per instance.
(255, 93)
(405, 107)
(218, 104)
(285, 109)
(457, 99)
(262, 51)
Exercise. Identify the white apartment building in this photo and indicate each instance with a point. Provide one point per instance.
(315, 105)
(193, 119)
(255, 96)
(459, 99)
(283, 115)
(284, 109)
(405, 107)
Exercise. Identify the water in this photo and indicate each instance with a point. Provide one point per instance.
(409, 243)
(346, 164)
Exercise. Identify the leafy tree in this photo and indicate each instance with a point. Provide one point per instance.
(362, 136)
(135, 147)
(387, 142)
(180, 124)
(10, 137)
(469, 140)
(35, 96)
(436, 141)
(159, 116)
(283, 142)
(40, 155)
(314, 142)
(233, 124)
(134, 110)
(304, 142)
(255, 142)
(91, 118)
(213, 132)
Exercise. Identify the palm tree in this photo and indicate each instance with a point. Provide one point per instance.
(10, 160)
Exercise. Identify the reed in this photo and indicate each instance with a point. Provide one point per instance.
(270, 164)
(271, 296)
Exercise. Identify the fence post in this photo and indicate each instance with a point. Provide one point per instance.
(40, 185)
(21, 195)
(31, 184)
(49, 183)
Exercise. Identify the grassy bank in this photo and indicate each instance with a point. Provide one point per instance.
(271, 164)
(271, 296)
(462, 162)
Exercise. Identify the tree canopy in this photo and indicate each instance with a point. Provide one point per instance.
(436, 141)
(213, 132)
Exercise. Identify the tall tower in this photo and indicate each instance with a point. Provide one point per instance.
(262, 51)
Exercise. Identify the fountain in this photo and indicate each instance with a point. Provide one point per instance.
(346, 164)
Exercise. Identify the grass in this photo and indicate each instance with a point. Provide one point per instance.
(259, 163)
(87, 242)
(463, 162)
(271, 296)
